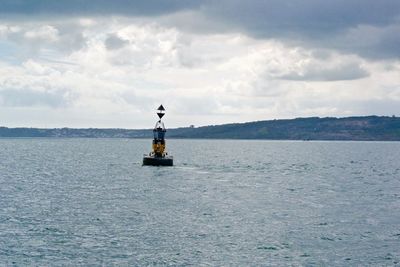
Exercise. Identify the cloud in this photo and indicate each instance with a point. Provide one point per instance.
(115, 42)
(120, 68)
(376, 42)
(310, 17)
(44, 33)
(321, 72)
(34, 38)
(346, 26)
(96, 7)
(29, 98)
(32, 85)
(367, 28)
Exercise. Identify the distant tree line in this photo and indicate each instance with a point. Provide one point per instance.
(351, 128)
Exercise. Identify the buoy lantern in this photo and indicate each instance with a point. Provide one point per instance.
(158, 156)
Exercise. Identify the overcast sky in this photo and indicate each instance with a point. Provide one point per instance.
(79, 63)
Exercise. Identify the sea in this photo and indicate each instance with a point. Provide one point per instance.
(90, 202)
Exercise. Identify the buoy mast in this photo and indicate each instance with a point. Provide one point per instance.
(159, 134)
(158, 156)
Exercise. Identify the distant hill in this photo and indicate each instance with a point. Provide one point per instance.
(74, 133)
(351, 128)
(371, 128)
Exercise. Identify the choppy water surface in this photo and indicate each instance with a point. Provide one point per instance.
(225, 203)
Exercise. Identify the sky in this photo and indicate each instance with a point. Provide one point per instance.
(110, 64)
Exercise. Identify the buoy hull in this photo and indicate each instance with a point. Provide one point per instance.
(158, 161)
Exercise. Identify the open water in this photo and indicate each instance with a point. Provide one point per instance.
(89, 202)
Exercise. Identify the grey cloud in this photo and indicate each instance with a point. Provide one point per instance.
(371, 41)
(195, 105)
(349, 71)
(315, 23)
(309, 23)
(383, 106)
(29, 98)
(311, 17)
(60, 36)
(71, 38)
(133, 99)
(379, 106)
(264, 18)
(95, 7)
(115, 42)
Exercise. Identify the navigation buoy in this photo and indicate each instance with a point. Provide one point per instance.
(158, 156)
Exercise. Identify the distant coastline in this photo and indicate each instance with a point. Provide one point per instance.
(366, 128)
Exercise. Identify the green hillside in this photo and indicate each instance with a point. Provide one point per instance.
(351, 128)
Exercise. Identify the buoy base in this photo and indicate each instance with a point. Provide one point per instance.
(158, 161)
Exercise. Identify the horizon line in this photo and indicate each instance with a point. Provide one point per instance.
(210, 125)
